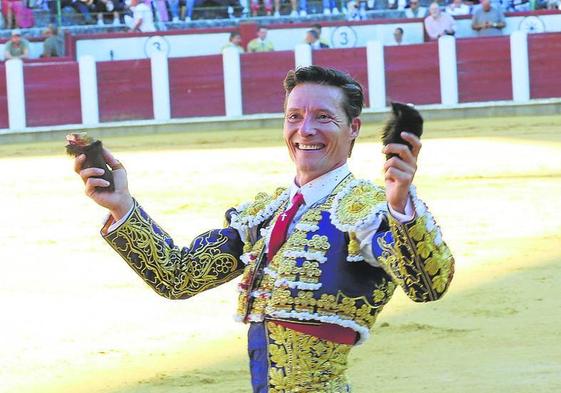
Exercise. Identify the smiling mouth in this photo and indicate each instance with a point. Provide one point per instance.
(308, 147)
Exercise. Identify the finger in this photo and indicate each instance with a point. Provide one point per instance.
(394, 174)
(78, 162)
(85, 174)
(398, 163)
(414, 141)
(110, 159)
(401, 150)
(94, 182)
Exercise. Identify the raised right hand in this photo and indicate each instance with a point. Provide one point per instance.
(118, 202)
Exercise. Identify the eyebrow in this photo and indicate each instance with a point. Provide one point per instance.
(319, 109)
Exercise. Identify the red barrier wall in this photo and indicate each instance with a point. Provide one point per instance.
(412, 73)
(196, 86)
(484, 69)
(52, 94)
(545, 65)
(124, 90)
(352, 61)
(3, 99)
(262, 76)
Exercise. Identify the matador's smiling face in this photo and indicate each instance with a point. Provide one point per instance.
(317, 132)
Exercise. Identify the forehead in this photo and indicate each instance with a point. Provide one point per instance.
(316, 96)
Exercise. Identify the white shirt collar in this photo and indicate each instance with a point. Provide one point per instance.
(319, 188)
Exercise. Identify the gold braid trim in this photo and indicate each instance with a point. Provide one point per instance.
(299, 363)
(173, 272)
(420, 264)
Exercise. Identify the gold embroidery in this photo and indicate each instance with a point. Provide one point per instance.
(170, 271)
(300, 363)
(415, 261)
(358, 203)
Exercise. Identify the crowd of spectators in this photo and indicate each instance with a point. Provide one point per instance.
(19, 13)
(487, 18)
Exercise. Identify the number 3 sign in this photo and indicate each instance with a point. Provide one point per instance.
(343, 37)
(156, 44)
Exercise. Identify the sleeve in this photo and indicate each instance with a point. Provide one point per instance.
(502, 17)
(429, 28)
(212, 259)
(415, 255)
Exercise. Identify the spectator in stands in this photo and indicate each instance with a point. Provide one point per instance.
(488, 20)
(261, 43)
(457, 7)
(317, 28)
(312, 39)
(266, 3)
(415, 10)
(397, 37)
(82, 7)
(177, 9)
(17, 47)
(142, 19)
(234, 42)
(52, 46)
(114, 7)
(17, 14)
(353, 11)
(190, 5)
(330, 7)
(397, 4)
(439, 24)
(298, 8)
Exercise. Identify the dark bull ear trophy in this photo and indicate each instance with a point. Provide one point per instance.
(403, 118)
(81, 143)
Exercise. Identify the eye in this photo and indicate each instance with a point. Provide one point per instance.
(292, 116)
(324, 117)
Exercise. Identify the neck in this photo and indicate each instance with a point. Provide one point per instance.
(304, 178)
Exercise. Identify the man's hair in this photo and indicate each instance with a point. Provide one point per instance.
(313, 33)
(352, 90)
(234, 34)
(316, 26)
(400, 29)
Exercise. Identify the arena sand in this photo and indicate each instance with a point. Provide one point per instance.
(75, 318)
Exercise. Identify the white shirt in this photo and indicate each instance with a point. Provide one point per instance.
(142, 11)
(455, 11)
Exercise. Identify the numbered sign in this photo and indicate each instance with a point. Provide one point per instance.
(343, 37)
(532, 24)
(156, 44)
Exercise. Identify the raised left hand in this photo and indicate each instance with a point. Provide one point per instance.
(399, 170)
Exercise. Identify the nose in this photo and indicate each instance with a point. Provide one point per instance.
(307, 126)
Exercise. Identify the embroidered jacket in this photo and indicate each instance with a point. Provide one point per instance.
(318, 274)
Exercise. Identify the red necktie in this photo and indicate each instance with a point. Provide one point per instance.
(278, 235)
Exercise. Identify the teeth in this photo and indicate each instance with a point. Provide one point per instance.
(309, 147)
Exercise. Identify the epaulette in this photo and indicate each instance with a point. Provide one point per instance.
(263, 206)
(360, 205)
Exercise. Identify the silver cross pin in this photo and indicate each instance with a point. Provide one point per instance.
(283, 216)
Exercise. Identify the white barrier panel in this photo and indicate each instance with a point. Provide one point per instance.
(88, 90)
(448, 70)
(376, 75)
(16, 94)
(302, 55)
(519, 66)
(160, 86)
(232, 82)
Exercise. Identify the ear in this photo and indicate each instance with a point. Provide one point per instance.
(355, 127)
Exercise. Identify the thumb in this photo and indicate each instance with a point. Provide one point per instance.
(110, 158)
